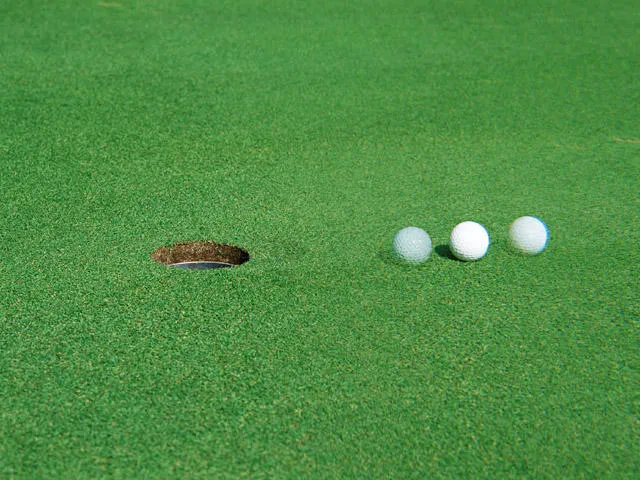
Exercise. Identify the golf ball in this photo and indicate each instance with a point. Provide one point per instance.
(412, 244)
(469, 241)
(529, 235)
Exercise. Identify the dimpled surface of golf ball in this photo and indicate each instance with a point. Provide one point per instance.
(412, 245)
(469, 241)
(529, 235)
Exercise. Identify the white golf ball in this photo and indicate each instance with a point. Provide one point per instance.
(412, 244)
(529, 235)
(469, 241)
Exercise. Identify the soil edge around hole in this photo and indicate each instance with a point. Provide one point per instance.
(202, 251)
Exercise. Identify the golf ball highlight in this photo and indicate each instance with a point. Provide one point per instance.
(412, 245)
(529, 235)
(469, 241)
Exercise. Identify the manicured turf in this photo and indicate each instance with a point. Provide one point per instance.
(309, 133)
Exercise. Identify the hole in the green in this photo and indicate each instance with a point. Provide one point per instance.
(201, 255)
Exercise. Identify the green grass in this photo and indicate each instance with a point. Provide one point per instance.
(309, 133)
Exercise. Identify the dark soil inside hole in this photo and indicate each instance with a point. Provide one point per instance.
(200, 252)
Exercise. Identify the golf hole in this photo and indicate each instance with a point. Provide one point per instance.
(200, 255)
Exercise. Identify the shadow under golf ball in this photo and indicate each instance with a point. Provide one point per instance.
(444, 251)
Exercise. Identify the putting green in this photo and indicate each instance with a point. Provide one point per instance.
(309, 133)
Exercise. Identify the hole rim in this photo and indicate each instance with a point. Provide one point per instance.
(201, 251)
